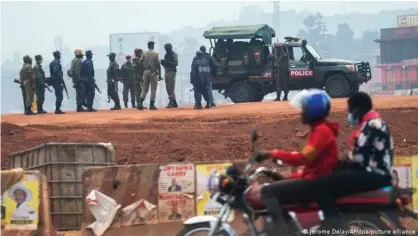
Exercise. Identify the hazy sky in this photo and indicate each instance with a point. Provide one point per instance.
(31, 27)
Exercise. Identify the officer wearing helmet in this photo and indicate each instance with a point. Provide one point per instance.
(138, 73)
(78, 82)
(27, 77)
(319, 158)
(152, 73)
(112, 80)
(170, 63)
(40, 81)
(126, 74)
(56, 80)
(87, 75)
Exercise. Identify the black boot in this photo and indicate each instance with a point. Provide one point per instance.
(58, 110)
(170, 104)
(207, 105)
(117, 106)
(28, 111)
(41, 109)
(175, 105)
(126, 104)
(285, 97)
(152, 106)
(197, 106)
(91, 109)
(133, 104)
(278, 96)
(80, 108)
(212, 104)
(139, 106)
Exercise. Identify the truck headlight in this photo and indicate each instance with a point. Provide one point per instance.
(351, 67)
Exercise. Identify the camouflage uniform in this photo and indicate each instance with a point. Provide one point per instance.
(170, 63)
(77, 80)
(40, 83)
(138, 73)
(126, 73)
(27, 77)
(152, 69)
(112, 80)
(282, 76)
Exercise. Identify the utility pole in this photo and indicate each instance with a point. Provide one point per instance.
(276, 18)
(58, 43)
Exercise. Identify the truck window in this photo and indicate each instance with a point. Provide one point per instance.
(298, 55)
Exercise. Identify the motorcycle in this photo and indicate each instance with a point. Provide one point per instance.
(377, 211)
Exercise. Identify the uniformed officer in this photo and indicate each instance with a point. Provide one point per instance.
(200, 77)
(170, 62)
(40, 84)
(87, 75)
(282, 77)
(55, 69)
(112, 80)
(126, 74)
(77, 79)
(27, 77)
(152, 73)
(138, 73)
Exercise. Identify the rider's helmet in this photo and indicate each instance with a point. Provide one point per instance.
(315, 105)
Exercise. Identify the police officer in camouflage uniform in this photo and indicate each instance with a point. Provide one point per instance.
(282, 77)
(138, 73)
(27, 77)
(170, 62)
(152, 74)
(126, 74)
(40, 83)
(56, 80)
(78, 81)
(112, 80)
(87, 75)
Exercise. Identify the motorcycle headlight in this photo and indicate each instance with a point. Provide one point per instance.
(213, 182)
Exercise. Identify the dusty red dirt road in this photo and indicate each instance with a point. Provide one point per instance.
(184, 134)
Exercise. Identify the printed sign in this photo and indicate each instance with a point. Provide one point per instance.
(301, 73)
(407, 20)
(21, 202)
(176, 178)
(205, 205)
(140, 212)
(415, 183)
(175, 207)
(268, 75)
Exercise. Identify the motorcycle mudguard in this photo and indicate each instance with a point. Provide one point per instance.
(211, 220)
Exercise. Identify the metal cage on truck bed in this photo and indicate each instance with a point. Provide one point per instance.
(62, 164)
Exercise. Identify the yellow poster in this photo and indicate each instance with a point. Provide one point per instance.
(204, 204)
(415, 183)
(402, 161)
(34, 107)
(21, 203)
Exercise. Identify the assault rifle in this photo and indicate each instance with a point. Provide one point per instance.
(20, 82)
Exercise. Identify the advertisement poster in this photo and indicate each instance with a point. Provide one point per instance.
(21, 202)
(140, 212)
(205, 205)
(415, 183)
(175, 207)
(176, 178)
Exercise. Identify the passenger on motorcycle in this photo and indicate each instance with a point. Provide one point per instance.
(369, 162)
(319, 156)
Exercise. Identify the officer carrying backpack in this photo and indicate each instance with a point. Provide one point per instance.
(203, 70)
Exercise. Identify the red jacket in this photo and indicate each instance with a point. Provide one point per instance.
(320, 154)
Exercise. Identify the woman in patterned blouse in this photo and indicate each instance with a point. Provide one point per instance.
(369, 162)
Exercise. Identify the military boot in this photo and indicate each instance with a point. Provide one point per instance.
(170, 104)
(58, 110)
(117, 106)
(133, 104)
(278, 96)
(175, 105)
(80, 108)
(212, 104)
(152, 106)
(28, 111)
(41, 109)
(139, 106)
(207, 105)
(126, 104)
(91, 109)
(285, 97)
(197, 106)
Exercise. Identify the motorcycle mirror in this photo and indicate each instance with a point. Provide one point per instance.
(254, 135)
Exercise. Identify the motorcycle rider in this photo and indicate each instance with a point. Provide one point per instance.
(319, 156)
(369, 162)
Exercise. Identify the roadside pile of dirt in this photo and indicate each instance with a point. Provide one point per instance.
(200, 139)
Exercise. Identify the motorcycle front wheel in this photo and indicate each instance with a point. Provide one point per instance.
(199, 229)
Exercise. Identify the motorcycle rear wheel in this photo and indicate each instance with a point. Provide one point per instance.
(199, 229)
(367, 221)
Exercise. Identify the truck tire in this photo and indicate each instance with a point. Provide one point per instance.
(241, 92)
(337, 86)
(258, 97)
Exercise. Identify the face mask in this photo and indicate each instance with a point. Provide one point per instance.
(352, 120)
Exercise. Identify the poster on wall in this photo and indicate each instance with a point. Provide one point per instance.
(176, 178)
(20, 204)
(175, 207)
(204, 204)
(415, 182)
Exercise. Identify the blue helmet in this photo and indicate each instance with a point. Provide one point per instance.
(315, 103)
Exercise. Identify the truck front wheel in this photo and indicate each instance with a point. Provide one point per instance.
(337, 86)
(241, 91)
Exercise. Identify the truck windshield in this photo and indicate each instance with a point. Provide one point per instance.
(313, 52)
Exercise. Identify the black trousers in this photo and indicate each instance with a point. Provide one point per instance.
(343, 183)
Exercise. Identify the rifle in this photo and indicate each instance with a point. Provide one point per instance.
(97, 88)
(23, 92)
(65, 87)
